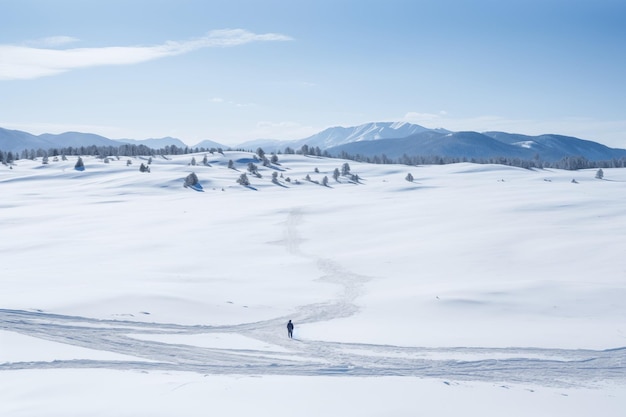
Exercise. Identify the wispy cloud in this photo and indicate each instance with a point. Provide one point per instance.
(51, 41)
(27, 62)
(416, 117)
(220, 100)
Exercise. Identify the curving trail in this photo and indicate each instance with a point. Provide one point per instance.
(546, 367)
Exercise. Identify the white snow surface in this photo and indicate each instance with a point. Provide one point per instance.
(475, 290)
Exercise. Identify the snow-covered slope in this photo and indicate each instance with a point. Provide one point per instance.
(482, 289)
(335, 136)
(339, 135)
(554, 147)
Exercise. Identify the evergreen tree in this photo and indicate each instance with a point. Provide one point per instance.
(600, 174)
(191, 180)
(80, 166)
(243, 180)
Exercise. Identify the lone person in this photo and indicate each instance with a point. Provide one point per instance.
(290, 329)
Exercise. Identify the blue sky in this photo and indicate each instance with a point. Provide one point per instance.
(232, 71)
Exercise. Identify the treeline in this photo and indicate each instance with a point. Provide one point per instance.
(102, 151)
(571, 163)
(567, 163)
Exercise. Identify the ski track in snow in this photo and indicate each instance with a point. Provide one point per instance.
(546, 367)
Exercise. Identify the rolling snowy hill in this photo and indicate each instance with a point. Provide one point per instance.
(473, 290)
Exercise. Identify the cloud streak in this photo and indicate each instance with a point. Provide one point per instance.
(27, 62)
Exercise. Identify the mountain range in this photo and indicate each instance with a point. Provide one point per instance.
(392, 139)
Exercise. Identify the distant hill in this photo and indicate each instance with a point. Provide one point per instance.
(208, 144)
(18, 141)
(430, 143)
(76, 139)
(553, 147)
(482, 145)
(156, 143)
(14, 140)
